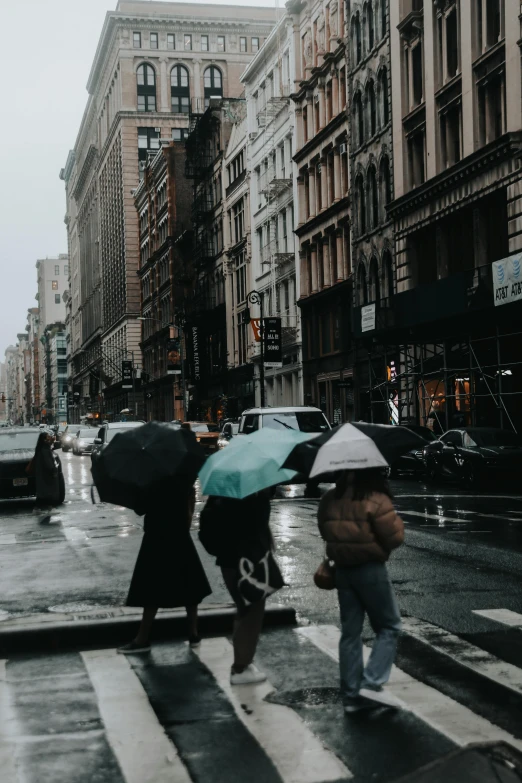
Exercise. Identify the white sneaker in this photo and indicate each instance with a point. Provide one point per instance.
(381, 697)
(248, 676)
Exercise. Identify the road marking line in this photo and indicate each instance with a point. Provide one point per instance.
(295, 751)
(448, 717)
(503, 616)
(440, 517)
(7, 730)
(464, 653)
(143, 750)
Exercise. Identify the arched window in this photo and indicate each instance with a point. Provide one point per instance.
(385, 179)
(383, 97)
(375, 289)
(369, 24)
(146, 79)
(213, 83)
(362, 288)
(384, 18)
(356, 39)
(358, 118)
(387, 266)
(361, 204)
(179, 90)
(372, 107)
(373, 200)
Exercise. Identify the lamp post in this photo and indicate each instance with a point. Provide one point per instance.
(255, 298)
(171, 335)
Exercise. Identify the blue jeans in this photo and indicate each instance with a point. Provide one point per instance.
(366, 588)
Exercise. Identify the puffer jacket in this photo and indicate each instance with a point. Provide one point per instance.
(359, 531)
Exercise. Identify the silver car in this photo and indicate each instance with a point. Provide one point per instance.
(83, 441)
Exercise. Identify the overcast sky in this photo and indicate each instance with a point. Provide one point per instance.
(47, 48)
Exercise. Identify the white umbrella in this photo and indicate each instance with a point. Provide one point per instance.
(347, 449)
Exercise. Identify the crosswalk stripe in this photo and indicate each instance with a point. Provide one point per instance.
(440, 517)
(503, 616)
(443, 714)
(294, 750)
(467, 654)
(7, 748)
(144, 752)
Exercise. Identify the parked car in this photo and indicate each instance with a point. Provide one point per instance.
(59, 431)
(207, 434)
(413, 461)
(229, 431)
(304, 418)
(107, 432)
(83, 441)
(17, 445)
(472, 454)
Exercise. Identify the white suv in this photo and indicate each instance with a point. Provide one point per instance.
(303, 418)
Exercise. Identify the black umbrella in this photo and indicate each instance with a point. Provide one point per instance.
(391, 440)
(136, 460)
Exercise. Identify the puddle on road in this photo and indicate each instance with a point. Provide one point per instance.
(75, 607)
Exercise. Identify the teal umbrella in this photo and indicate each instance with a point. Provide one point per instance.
(251, 463)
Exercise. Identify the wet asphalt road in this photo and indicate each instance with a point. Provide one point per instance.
(463, 555)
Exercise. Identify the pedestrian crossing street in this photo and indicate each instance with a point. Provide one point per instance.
(173, 717)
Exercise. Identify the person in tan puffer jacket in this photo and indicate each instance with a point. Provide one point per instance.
(360, 526)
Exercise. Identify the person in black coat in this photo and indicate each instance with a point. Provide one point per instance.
(46, 473)
(168, 572)
(235, 530)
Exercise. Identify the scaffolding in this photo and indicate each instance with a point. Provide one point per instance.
(471, 381)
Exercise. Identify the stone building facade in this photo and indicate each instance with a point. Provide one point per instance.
(451, 355)
(323, 197)
(269, 81)
(154, 61)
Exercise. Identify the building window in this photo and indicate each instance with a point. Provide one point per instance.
(187, 42)
(57, 299)
(146, 78)
(369, 25)
(491, 108)
(374, 292)
(213, 84)
(362, 288)
(356, 40)
(358, 119)
(66, 269)
(383, 97)
(136, 40)
(54, 285)
(179, 134)
(489, 24)
(57, 269)
(153, 40)
(204, 43)
(240, 275)
(417, 66)
(179, 90)
(242, 44)
(373, 200)
(360, 201)
(417, 157)
(254, 44)
(171, 41)
(238, 214)
(148, 139)
(221, 43)
(450, 136)
(385, 182)
(372, 108)
(242, 343)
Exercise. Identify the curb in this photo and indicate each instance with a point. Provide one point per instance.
(111, 632)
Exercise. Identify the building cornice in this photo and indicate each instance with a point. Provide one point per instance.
(318, 222)
(507, 146)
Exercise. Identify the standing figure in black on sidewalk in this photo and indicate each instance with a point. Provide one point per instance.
(168, 572)
(361, 528)
(44, 466)
(237, 532)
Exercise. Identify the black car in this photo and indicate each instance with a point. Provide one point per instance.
(17, 445)
(413, 461)
(471, 454)
(107, 432)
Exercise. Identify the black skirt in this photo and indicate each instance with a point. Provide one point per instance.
(168, 572)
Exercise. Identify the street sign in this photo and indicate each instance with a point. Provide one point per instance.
(126, 374)
(368, 318)
(174, 356)
(273, 349)
(507, 280)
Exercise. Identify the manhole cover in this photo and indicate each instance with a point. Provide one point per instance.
(75, 607)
